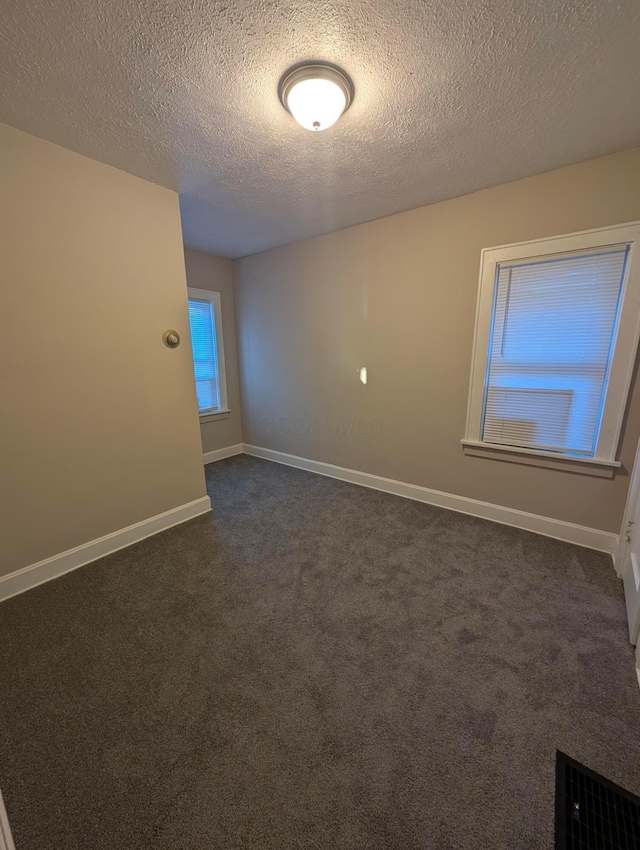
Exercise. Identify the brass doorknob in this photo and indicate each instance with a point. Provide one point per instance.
(171, 339)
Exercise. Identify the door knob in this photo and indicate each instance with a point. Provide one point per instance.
(171, 339)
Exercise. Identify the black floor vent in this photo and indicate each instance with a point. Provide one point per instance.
(591, 812)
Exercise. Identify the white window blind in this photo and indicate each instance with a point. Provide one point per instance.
(550, 349)
(205, 361)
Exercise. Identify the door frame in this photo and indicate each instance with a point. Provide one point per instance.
(631, 516)
(632, 499)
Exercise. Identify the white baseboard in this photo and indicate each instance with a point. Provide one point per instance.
(220, 454)
(35, 574)
(6, 841)
(603, 541)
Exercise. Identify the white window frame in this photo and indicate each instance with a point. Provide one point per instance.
(621, 370)
(214, 299)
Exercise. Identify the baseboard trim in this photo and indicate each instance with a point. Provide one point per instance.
(35, 574)
(592, 538)
(6, 841)
(220, 454)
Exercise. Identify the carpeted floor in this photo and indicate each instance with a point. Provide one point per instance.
(315, 665)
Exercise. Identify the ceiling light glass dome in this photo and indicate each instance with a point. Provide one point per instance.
(316, 95)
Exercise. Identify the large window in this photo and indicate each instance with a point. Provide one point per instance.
(205, 320)
(556, 336)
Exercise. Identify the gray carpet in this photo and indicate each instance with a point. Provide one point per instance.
(316, 665)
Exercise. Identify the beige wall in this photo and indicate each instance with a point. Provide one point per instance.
(398, 295)
(99, 425)
(206, 271)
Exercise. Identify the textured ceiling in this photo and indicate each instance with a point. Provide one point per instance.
(451, 96)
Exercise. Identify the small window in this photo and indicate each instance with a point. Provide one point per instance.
(556, 336)
(205, 320)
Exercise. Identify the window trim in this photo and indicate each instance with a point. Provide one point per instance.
(621, 371)
(214, 299)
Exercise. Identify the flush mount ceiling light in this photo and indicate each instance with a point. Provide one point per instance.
(316, 95)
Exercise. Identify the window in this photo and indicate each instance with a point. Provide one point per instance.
(556, 334)
(205, 321)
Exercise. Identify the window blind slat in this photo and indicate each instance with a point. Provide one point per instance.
(549, 355)
(203, 342)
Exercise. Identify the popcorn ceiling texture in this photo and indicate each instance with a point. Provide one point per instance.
(451, 97)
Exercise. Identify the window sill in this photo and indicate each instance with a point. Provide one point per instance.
(583, 466)
(213, 417)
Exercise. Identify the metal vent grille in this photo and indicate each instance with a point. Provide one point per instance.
(591, 812)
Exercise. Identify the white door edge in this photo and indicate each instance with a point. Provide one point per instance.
(626, 560)
(6, 841)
